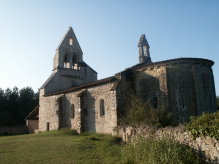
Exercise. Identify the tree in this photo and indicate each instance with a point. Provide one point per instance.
(15, 105)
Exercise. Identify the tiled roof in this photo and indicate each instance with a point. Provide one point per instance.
(199, 60)
(34, 115)
(83, 86)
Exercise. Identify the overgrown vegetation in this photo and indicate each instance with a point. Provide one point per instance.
(205, 125)
(165, 151)
(15, 104)
(66, 146)
(143, 113)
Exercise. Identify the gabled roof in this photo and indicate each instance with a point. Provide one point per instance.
(69, 34)
(34, 115)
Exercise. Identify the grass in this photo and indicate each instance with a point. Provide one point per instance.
(59, 147)
(66, 147)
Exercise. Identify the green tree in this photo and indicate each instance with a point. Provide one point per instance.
(28, 100)
(15, 104)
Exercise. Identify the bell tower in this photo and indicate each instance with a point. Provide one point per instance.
(69, 69)
(144, 53)
(68, 53)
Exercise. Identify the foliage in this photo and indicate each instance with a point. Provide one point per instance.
(142, 113)
(165, 151)
(15, 104)
(205, 125)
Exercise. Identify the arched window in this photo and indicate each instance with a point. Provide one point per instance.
(75, 62)
(72, 111)
(71, 41)
(74, 59)
(102, 107)
(65, 61)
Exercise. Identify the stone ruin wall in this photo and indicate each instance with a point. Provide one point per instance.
(206, 145)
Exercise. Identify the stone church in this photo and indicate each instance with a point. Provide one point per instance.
(72, 97)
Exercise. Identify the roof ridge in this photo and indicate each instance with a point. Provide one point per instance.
(86, 85)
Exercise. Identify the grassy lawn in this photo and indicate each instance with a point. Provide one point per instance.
(59, 147)
(65, 146)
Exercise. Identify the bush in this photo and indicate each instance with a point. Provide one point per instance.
(156, 151)
(142, 113)
(205, 125)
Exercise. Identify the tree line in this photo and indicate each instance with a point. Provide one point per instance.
(218, 102)
(16, 104)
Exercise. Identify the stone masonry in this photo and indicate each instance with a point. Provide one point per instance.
(72, 97)
(209, 147)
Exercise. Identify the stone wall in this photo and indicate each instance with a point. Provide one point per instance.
(13, 130)
(185, 87)
(65, 78)
(32, 125)
(151, 85)
(208, 146)
(48, 112)
(190, 89)
(56, 111)
(69, 69)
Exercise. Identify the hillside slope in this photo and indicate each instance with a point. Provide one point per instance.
(59, 147)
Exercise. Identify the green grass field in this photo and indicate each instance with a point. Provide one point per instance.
(59, 147)
(65, 146)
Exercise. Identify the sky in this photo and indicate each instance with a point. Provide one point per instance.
(108, 32)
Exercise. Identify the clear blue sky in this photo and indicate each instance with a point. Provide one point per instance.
(108, 32)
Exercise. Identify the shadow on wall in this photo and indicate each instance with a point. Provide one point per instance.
(161, 90)
(143, 86)
(88, 121)
(66, 112)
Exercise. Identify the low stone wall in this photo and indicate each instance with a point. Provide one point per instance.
(13, 130)
(207, 146)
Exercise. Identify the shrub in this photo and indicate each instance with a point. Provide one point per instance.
(205, 125)
(156, 151)
(142, 113)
